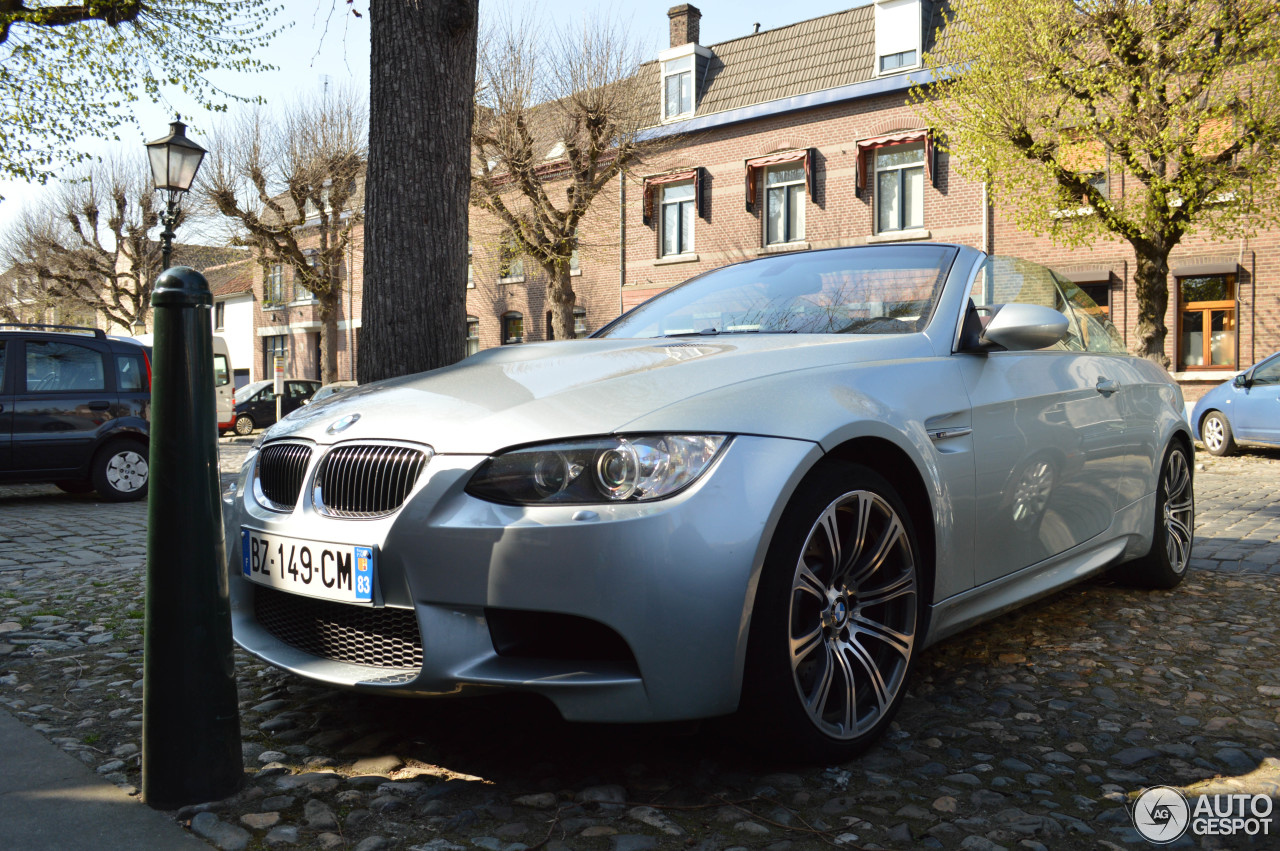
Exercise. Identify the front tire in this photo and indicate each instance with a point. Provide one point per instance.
(1215, 433)
(244, 425)
(837, 621)
(120, 471)
(1165, 564)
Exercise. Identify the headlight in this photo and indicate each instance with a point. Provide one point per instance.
(596, 470)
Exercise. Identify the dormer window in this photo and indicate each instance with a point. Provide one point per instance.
(899, 27)
(677, 87)
(681, 68)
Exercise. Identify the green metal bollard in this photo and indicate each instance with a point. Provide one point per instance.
(191, 750)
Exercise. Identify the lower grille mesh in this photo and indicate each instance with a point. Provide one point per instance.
(378, 637)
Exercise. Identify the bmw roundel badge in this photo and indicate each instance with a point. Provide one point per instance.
(342, 424)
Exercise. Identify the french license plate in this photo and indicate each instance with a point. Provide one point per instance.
(341, 572)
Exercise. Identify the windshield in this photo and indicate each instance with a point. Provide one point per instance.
(889, 289)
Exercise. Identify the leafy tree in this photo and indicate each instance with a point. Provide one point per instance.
(422, 55)
(68, 71)
(294, 189)
(1180, 97)
(86, 245)
(556, 118)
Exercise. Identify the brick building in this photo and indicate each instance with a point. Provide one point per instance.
(803, 137)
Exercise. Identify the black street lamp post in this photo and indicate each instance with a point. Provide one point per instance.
(191, 750)
(175, 159)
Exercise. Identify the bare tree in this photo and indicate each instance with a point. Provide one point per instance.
(415, 262)
(556, 118)
(293, 188)
(87, 244)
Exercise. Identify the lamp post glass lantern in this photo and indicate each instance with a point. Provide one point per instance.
(175, 159)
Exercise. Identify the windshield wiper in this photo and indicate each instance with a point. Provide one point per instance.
(712, 332)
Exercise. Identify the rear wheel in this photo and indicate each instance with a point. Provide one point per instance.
(1215, 432)
(120, 471)
(837, 619)
(244, 424)
(1165, 564)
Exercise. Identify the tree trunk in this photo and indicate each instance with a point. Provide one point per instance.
(1151, 285)
(423, 56)
(329, 303)
(562, 299)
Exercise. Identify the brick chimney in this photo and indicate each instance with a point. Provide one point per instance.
(684, 24)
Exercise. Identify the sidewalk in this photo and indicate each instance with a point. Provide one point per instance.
(49, 800)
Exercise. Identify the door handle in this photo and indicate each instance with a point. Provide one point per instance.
(99, 406)
(1107, 386)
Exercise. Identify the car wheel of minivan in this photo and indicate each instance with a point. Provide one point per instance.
(120, 471)
(244, 424)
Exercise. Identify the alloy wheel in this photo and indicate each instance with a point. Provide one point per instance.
(853, 616)
(1179, 510)
(1213, 434)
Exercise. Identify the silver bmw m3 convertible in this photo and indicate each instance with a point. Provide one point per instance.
(762, 492)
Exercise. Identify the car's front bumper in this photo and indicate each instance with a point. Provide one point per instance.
(674, 579)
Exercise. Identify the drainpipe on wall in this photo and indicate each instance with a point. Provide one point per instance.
(986, 217)
(1124, 299)
(1253, 312)
(622, 236)
(351, 311)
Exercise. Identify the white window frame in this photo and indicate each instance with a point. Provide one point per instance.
(682, 205)
(473, 334)
(899, 27)
(901, 169)
(667, 62)
(787, 188)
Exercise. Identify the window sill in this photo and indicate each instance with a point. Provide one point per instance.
(899, 236)
(674, 259)
(575, 273)
(274, 306)
(784, 247)
(514, 279)
(1216, 374)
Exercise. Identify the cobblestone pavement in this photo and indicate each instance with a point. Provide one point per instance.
(1027, 732)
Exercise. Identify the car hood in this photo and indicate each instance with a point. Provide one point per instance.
(534, 392)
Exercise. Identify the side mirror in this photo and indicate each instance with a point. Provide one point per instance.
(1241, 380)
(1024, 327)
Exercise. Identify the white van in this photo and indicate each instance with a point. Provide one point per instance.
(223, 380)
(223, 385)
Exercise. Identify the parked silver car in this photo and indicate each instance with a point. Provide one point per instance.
(763, 491)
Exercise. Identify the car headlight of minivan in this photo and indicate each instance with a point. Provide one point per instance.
(632, 468)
